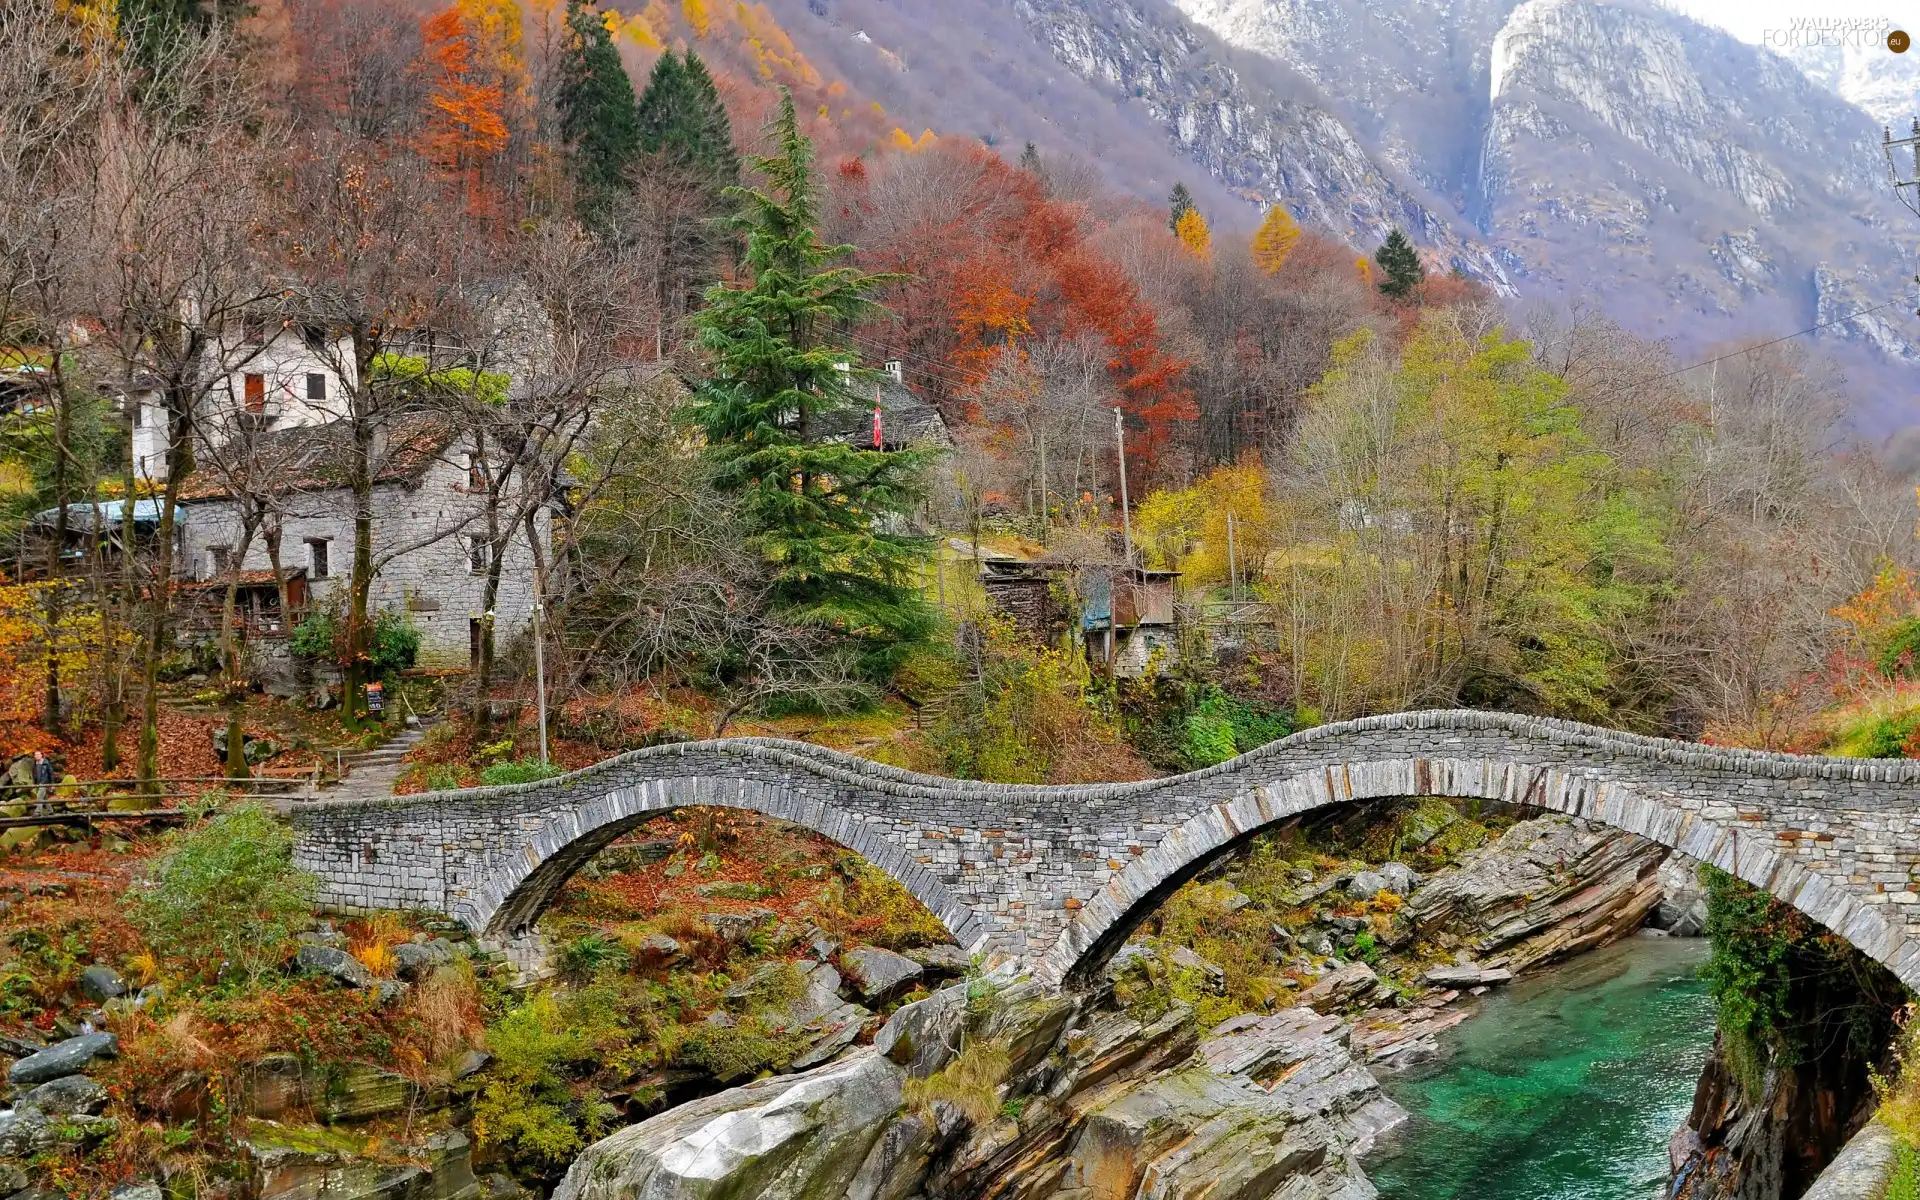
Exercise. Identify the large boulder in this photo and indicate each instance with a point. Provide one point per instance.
(1341, 988)
(416, 961)
(66, 1096)
(100, 984)
(1275, 1106)
(798, 1137)
(878, 975)
(335, 963)
(925, 1035)
(63, 1058)
(1682, 910)
(946, 959)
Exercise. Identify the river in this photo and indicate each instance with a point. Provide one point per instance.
(1563, 1087)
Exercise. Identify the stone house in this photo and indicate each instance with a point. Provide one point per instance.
(430, 552)
(273, 378)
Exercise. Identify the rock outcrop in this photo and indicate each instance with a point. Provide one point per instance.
(1021, 1092)
(1545, 889)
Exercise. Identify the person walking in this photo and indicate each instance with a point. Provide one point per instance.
(42, 781)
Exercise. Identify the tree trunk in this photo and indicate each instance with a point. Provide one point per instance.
(56, 592)
(360, 470)
(160, 594)
(230, 647)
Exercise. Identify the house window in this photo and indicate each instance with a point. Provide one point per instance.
(139, 412)
(256, 391)
(479, 554)
(476, 472)
(316, 386)
(219, 560)
(317, 558)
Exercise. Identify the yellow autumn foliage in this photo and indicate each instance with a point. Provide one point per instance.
(695, 11)
(1186, 529)
(1193, 233)
(1275, 240)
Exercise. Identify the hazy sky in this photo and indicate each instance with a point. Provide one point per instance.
(1756, 20)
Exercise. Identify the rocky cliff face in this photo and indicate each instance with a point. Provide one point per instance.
(1609, 151)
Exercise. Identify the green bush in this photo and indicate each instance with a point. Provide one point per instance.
(1905, 1184)
(316, 636)
(526, 770)
(396, 643)
(1901, 655)
(442, 777)
(527, 1107)
(226, 899)
(733, 1052)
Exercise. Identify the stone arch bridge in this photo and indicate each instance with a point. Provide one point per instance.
(1058, 876)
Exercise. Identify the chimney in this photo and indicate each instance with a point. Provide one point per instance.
(897, 369)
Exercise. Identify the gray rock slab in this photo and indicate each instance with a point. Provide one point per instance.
(63, 1058)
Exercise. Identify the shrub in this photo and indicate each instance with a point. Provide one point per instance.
(226, 898)
(526, 770)
(441, 777)
(732, 1052)
(525, 1105)
(396, 643)
(970, 1083)
(316, 636)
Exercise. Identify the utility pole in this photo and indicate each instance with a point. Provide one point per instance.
(1233, 562)
(1906, 185)
(1126, 516)
(540, 669)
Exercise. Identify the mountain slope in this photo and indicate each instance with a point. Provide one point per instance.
(1607, 152)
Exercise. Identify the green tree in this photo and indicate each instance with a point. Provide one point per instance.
(1401, 263)
(1030, 159)
(598, 120)
(681, 118)
(1179, 204)
(827, 517)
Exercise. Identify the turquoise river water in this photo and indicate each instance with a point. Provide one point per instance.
(1563, 1087)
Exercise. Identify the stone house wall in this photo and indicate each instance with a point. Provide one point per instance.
(434, 583)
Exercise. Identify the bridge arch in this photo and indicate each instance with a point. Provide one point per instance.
(508, 899)
(1108, 918)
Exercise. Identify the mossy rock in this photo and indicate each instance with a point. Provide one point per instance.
(1426, 822)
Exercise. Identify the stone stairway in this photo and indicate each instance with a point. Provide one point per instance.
(371, 773)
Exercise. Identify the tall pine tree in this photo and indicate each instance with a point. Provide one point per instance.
(682, 119)
(826, 515)
(597, 117)
(1400, 262)
(1179, 204)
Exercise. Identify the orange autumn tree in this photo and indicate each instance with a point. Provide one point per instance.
(466, 118)
(1193, 233)
(995, 260)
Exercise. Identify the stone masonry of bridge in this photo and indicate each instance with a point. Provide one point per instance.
(1057, 876)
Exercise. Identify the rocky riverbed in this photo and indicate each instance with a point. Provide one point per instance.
(998, 1087)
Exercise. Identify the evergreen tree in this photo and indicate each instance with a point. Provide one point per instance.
(1179, 204)
(1401, 264)
(1030, 159)
(682, 119)
(597, 117)
(824, 514)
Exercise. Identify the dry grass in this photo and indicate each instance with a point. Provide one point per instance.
(448, 1005)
